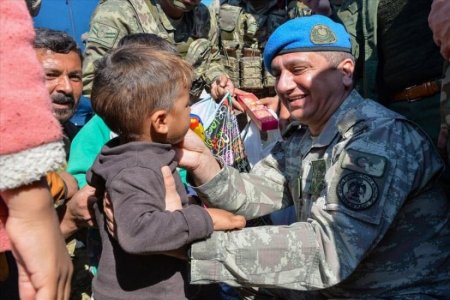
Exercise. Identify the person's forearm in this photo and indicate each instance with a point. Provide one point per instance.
(70, 183)
(207, 169)
(44, 266)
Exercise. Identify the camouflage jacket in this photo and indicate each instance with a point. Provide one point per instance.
(194, 35)
(244, 31)
(371, 222)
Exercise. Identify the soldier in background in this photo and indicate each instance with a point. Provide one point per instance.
(245, 26)
(188, 25)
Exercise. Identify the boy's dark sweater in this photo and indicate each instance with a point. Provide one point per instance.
(131, 174)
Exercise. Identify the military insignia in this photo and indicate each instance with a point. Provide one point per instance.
(103, 34)
(362, 162)
(357, 191)
(322, 34)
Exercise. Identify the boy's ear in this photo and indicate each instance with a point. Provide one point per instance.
(158, 120)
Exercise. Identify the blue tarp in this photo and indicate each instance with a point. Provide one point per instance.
(71, 16)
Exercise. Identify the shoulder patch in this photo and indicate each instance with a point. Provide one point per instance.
(103, 34)
(357, 191)
(322, 34)
(362, 162)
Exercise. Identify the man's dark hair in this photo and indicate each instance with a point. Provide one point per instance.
(56, 41)
(147, 40)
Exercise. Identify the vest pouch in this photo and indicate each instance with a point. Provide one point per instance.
(251, 69)
(228, 17)
(231, 63)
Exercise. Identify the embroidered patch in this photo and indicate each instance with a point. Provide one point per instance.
(322, 34)
(357, 191)
(103, 34)
(365, 163)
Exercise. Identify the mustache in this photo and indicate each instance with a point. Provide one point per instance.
(60, 98)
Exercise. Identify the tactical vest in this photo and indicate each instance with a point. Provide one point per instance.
(243, 36)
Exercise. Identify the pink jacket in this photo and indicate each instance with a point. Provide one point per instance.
(30, 137)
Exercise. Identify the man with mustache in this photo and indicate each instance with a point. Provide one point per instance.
(61, 59)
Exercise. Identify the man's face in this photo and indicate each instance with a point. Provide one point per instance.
(308, 85)
(63, 81)
(185, 5)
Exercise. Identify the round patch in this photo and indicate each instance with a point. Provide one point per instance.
(357, 191)
(322, 34)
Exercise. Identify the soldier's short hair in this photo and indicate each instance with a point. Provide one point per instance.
(56, 41)
(130, 83)
(335, 57)
(147, 40)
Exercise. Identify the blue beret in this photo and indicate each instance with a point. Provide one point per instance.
(305, 34)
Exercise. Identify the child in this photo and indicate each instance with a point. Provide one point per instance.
(143, 94)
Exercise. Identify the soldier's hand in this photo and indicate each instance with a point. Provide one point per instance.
(196, 158)
(220, 86)
(224, 220)
(439, 21)
(108, 210)
(79, 211)
(173, 200)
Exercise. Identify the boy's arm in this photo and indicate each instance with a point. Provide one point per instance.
(142, 223)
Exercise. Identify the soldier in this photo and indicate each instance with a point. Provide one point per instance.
(389, 239)
(245, 26)
(392, 66)
(186, 24)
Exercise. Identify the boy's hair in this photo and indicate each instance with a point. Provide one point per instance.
(147, 40)
(130, 83)
(56, 41)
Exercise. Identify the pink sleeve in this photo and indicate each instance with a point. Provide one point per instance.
(30, 137)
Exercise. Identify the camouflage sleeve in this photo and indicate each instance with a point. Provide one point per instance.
(343, 226)
(111, 21)
(250, 195)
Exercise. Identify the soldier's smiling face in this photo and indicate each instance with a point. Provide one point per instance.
(310, 86)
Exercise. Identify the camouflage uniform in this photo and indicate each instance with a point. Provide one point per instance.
(194, 35)
(244, 31)
(371, 222)
(363, 21)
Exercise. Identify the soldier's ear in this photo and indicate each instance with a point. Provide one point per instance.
(347, 67)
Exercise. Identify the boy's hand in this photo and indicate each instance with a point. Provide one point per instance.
(224, 220)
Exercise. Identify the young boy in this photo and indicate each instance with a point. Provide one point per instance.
(142, 94)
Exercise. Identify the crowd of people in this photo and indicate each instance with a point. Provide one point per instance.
(134, 205)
